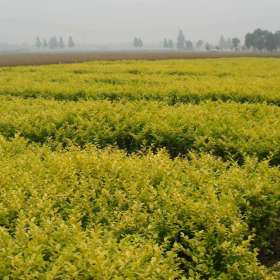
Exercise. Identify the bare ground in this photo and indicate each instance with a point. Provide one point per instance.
(40, 58)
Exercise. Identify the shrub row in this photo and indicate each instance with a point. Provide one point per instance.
(227, 130)
(92, 214)
(239, 80)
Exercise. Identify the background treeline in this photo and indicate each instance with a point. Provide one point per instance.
(182, 43)
(259, 40)
(263, 40)
(54, 43)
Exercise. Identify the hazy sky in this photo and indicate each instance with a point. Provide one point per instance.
(111, 21)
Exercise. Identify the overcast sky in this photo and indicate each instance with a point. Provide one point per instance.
(112, 21)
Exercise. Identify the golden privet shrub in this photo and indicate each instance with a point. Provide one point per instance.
(91, 214)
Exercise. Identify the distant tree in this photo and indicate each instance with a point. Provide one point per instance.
(138, 43)
(141, 44)
(261, 40)
(277, 39)
(170, 44)
(181, 40)
(208, 47)
(229, 44)
(71, 43)
(271, 41)
(189, 45)
(61, 43)
(236, 43)
(199, 44)
(135, 43)
(38, 43)
(249, 40)
(165, 44)
(223, 43)
(53, 43)
(45, 43)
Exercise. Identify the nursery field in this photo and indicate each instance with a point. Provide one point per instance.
(141, 170)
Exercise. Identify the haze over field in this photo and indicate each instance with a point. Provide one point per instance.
(118, 21)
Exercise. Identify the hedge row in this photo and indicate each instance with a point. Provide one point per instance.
(227, 130)
(239, 80)
(92, 214)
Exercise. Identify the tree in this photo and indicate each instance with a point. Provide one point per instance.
(189, 45)
(135, 42)
(249, 41)
(61, 43)
(277, 39)
(261, 40)
(236, 43)
(165, 44)
(181, 40)
(208, 47)
(71, 43)
(141, 44)
(53, 43)
(222, 43)
(229, 45)
(199, 44)
(270, 41)
(45, 43)
(138, 43)
(170, 44)
(38, 43)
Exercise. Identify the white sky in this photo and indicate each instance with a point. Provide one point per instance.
(112, 21)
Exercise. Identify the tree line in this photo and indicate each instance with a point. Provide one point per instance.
(263, 40)
(259, 40)
(54, 43)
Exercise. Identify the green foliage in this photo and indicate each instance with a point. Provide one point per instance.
(232, 131)
(242, 80)
(106, 174)
(92, 214)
